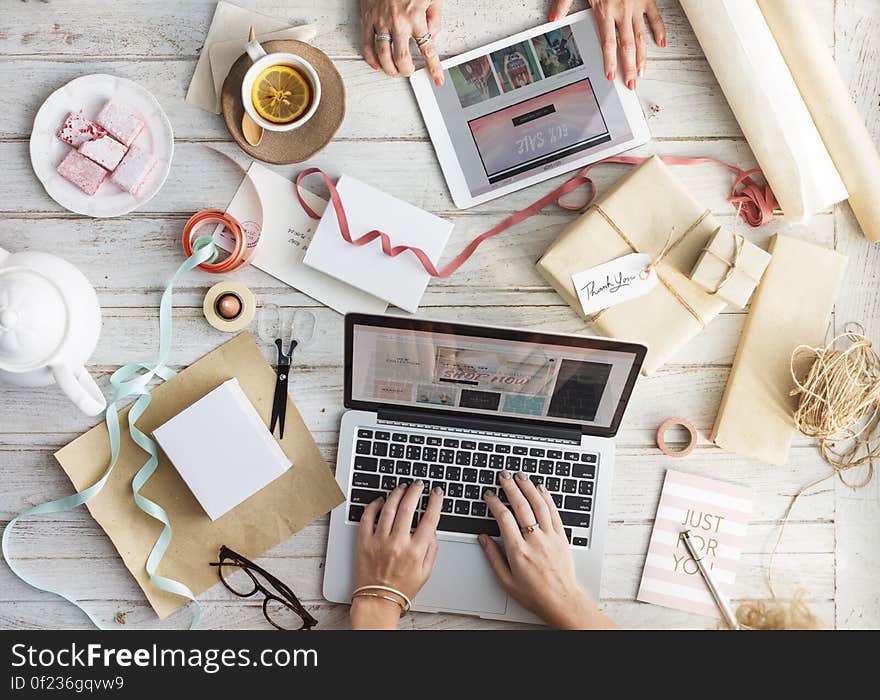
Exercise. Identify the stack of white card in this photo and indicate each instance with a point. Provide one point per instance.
(400, 280)
(222, 449)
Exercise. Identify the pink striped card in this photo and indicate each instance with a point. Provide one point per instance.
(717, 514)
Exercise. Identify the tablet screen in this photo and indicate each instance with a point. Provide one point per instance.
(540, 102)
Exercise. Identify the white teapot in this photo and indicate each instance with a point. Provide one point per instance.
(49, 326)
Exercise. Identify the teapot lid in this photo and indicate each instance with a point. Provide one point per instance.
(33, 319)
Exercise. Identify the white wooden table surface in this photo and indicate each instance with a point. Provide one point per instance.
(830, 549)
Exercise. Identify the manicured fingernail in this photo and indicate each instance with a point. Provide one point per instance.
(553, 16)
(438, 82)
(402, 486)
(489, 493)
(374, 66)
(541, 487)
(505, 474)
(663, 42)
(419, 484)
(380, 500)
(521, 476)
(483, 539)
(631, 84)
(609, 75)
(437, 490)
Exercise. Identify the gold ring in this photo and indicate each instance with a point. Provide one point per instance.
(529, 529)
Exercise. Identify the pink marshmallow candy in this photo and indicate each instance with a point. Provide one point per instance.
(82, 172)
(133, 171)
(120, 122)
(77, 130)
(104, 150)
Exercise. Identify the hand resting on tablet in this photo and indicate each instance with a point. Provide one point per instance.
(388, 25)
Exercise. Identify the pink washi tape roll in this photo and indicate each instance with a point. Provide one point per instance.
(661, 437)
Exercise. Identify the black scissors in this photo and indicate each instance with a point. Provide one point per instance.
(282, 370)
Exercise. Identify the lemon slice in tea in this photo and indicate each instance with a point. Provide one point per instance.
(281, 94)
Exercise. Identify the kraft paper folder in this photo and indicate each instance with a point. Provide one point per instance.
(792, 307)
(302, 494)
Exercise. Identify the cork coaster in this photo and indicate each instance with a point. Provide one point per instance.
(284, 147)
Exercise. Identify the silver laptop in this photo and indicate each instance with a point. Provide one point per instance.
(453, 405)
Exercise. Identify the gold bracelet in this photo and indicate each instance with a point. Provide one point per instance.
(387, 589)
(366, 594)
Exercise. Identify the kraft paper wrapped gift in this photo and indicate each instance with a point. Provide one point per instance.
(647, 211)
(730, 267)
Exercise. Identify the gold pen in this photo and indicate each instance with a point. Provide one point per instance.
(720, 599)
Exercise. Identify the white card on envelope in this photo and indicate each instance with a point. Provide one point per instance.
(222, 449)
(401, 280)
(286, 236)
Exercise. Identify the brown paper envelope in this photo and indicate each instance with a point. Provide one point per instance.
(303, 493)
(646, 205)
(792, 306)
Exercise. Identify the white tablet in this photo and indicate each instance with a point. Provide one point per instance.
(525, 109)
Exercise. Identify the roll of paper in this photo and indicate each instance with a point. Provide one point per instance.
(840, 125)
(767, 104)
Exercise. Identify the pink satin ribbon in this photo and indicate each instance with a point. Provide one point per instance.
(756, 205)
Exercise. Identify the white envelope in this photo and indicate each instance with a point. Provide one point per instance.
(287, 233)
(400, 280)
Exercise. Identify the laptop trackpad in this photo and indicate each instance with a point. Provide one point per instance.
(463, 580)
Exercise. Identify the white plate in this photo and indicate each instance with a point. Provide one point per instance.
(89, 93)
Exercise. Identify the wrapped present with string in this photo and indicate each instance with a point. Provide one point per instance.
(730, 267)
(649, 211)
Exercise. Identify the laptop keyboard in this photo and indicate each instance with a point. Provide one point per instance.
(464, 469)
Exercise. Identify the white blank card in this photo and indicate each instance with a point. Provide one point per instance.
(222, 449)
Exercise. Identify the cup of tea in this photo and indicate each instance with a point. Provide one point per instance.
(280, 91)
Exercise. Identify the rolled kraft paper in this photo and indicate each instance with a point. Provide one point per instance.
(767, 104)
(791, 307)
(840, 125)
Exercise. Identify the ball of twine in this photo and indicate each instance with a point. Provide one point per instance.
(840, 400)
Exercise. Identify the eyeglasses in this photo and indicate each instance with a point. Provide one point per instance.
(281, 607)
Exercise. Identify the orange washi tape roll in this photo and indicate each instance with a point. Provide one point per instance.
(241, 252)
(661, 437)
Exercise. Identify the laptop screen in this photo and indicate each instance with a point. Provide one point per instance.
(524, 376)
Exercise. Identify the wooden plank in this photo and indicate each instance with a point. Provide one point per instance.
(501, 273)
(636, 487)
(238, 615)
(108, 579)
(36, 539)
(857, 24)
(691, 391)
(390, 164)
(169, 28)
(681, 98)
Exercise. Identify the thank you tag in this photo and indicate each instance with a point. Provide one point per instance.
(614, 282)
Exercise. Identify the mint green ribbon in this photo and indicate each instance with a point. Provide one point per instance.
(127, 381)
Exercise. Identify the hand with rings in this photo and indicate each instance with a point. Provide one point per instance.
(535, 566)
(389, 25)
